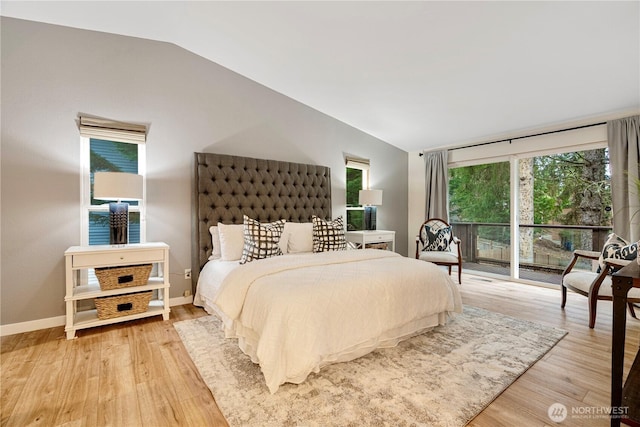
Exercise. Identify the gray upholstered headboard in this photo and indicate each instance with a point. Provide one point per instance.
(228, 187)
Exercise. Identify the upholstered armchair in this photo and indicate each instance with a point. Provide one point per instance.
(436, 243)
(595, 285)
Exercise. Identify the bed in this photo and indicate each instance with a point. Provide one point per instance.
(300, 302)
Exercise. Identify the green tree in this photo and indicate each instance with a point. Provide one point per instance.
(480, 193)
(572, 188)
(355, 218)
(354, 185)
(551, 191)
(569, 188)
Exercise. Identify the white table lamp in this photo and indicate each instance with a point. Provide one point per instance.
(117, 186)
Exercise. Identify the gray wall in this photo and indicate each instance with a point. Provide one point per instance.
(50, 74)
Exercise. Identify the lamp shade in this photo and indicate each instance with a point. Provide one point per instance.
(370, 197)
(117, 186)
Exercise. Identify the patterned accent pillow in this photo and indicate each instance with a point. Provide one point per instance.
(261, 240)
(328, 235)
(436, 237)
(617, 248)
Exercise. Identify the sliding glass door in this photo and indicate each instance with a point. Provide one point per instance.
(479, 210)
(565, 204)
(522, 218)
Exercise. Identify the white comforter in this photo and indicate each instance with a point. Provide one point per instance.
(294, 314)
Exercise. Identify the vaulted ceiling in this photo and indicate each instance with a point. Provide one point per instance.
(417, 74)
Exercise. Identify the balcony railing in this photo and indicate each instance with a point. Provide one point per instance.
(545, 250)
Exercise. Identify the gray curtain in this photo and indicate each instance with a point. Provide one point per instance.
(623, 136)
(437, 184)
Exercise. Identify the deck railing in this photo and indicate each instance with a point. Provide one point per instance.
(545, 250)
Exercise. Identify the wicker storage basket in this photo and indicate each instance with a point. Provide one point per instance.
(383, 246)
(122, 305)
(123, 277)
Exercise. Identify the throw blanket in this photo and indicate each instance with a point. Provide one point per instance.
(295, 314)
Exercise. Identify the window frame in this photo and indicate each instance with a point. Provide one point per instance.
(364, 166)
(85, 189)
(591, 143)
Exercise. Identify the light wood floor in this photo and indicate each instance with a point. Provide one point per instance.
(138, 373)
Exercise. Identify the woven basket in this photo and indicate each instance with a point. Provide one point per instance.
(123, 277)
(383, 246)
(122, 305)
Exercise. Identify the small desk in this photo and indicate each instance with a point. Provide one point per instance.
(623, 280)
(364, 237)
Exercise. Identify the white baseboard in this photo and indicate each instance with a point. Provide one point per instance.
(181, 300)
(52, 322)
(32, 325)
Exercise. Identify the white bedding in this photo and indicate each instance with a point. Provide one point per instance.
(294, 314)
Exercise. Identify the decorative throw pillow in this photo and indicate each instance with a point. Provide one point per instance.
(261, 240)
(436, 237)
(617, 248)
(215, 243)
(231, 241)
(299, 237)
(284, 240)
(328, 235)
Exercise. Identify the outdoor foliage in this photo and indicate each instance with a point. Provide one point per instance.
(354, 185)
(355, 218)
(573, 188)
(569, 188)
(480, 193)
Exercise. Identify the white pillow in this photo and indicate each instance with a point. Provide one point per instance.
(284, 241)
(231, 241)
(299, 236)
(215, 243)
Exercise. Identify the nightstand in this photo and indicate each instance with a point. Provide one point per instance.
(82, 284)
(363, 238)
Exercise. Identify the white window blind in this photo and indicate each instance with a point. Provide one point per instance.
(355, 163)
(92, 127)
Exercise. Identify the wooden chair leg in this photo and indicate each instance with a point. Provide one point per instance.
(449, 270)
(459, 274)
(632, 310)
(564, 296)
(593, 302)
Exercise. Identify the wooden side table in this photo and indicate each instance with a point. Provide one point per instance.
(363, 238)
(80, 259)
(625, 404)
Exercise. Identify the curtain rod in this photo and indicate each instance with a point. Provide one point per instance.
(509, 140)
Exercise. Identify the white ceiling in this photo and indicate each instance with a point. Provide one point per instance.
(417, 74)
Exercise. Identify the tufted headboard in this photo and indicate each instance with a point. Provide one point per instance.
(228, 187)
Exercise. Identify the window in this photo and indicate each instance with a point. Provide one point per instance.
(479, 196)
(109, 147)
(562, 203)
(568, 207)
(357, 179)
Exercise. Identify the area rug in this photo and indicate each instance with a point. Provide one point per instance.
(442, 378)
